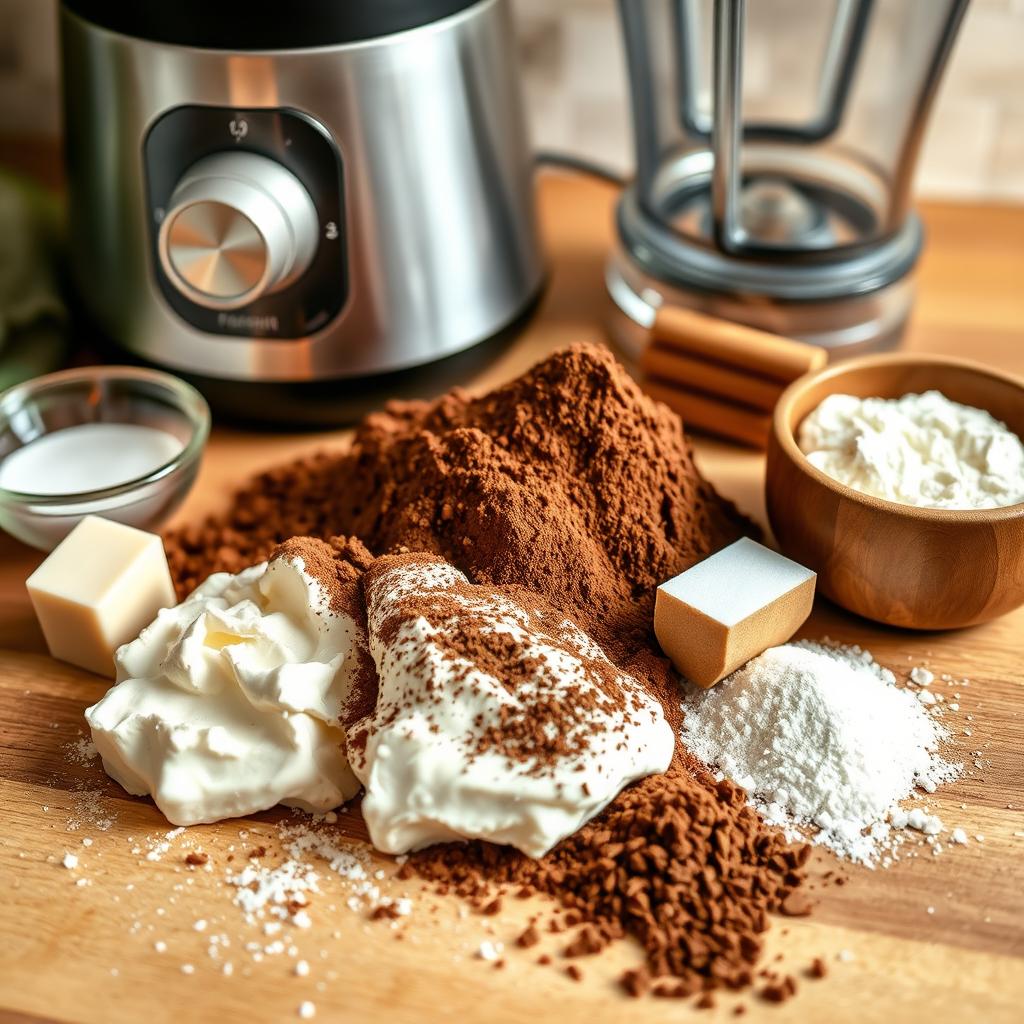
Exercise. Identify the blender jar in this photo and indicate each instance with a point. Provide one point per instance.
(775, 149)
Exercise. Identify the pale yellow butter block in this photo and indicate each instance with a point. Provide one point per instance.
(729, 608)
(97, 590)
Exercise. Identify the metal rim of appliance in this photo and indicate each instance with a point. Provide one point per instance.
(665, 255)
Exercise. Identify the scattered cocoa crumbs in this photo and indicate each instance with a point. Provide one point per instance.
(674, 989)
(678, 861)
(385, 912)
(196, 859)
(544, 959)
(492, 908)
(588, 940)
(738, 1010)
(574, 972)
(706, 1002)
(778, 991)
(818, 968)
(796, 904)
(256, 852)
(529, 938)
(636, 981)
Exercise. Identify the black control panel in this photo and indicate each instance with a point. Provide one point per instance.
(302, 146)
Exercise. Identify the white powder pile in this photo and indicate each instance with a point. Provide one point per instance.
(820, 735)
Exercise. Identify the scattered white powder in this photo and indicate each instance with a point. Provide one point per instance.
(276, 892)
(70, 861)
(90, 807)
(917, 450)
(307, 1010)
(81, 751)
(490, 951)
(820, 737)
(918, 819)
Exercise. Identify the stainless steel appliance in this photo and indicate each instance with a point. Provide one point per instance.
(775, 151)
(300, 192)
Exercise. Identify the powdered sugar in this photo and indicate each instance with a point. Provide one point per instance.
(820, 736)
(283, 891)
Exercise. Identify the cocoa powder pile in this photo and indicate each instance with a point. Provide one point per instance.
(570, 482)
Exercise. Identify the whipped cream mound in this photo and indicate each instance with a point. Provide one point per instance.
(229, 703)
(496, 718)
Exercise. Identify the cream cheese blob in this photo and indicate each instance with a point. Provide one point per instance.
(917, 450)
(228, 703)
(434, 756)
(494, 718)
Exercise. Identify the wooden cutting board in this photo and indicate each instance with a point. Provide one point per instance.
(933, 938)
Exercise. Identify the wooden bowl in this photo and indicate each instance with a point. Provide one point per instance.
(918, 568)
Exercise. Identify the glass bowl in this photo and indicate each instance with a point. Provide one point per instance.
(110, 395)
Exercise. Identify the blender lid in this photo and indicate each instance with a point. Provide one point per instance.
(263, 24)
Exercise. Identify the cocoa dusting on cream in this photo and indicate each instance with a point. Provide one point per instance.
(338, 565)
(512, 636)
(572, 484)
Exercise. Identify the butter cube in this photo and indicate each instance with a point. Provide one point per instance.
(97, 590)
(729, 608)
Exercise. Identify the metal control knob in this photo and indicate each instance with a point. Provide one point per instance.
(238, 226)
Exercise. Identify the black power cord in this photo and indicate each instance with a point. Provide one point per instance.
(580, 164)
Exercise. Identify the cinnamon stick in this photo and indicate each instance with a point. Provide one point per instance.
(701, 375)
(713, 415)
(737, 345)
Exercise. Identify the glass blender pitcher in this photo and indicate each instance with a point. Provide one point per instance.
(775, 149)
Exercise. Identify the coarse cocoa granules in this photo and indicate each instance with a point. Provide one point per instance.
(570, 482)
(678, 861)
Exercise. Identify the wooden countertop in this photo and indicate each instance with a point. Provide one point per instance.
(933, 938)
